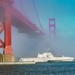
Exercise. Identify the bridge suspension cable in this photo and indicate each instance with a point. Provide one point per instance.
(35, 12)
(37, 15)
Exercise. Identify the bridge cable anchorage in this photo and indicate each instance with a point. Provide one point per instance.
(37, 15)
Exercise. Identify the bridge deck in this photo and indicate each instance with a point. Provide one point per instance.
(21, 22)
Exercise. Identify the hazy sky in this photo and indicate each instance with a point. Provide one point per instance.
(64, 13)
(62, 10)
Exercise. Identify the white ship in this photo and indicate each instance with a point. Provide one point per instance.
(45, 57)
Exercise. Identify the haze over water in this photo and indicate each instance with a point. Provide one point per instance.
(63, 43)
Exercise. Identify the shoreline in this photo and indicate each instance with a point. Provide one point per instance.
(16, 63)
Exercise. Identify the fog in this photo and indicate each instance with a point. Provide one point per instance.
(62, 44)
(25, 46)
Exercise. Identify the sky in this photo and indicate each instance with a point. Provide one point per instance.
(62, 10)
(64, 13)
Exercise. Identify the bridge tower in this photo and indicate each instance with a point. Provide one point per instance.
(52, 27)
(5, 24)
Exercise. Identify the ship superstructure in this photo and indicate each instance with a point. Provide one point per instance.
(47, 56)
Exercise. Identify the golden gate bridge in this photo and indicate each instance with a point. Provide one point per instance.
(11, 16)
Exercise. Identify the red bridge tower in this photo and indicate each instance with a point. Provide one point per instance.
(52, 27)
(5, 24)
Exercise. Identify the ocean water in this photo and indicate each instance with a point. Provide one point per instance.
(50, 68)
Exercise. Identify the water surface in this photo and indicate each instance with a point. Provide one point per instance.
(50, 68)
